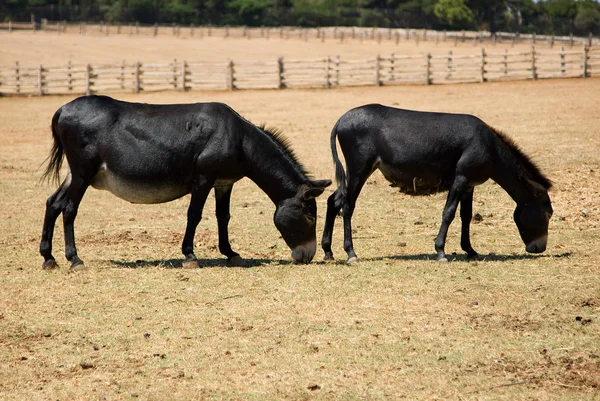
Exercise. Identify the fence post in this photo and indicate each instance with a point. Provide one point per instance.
(378, 70)
(428, 69)
(123, 74)
(69, 77)
(88, 79)
(449, 66)
(41, 81)
(563, 65)
(328, 72)
(17, 78)
(533, 67)
(230, 75)
(175, 74)
(585, 61)
(137, 80)
(155, 29)
(336, 63)
(280, 73)
(184, 74)
(505, 61)
(483, 79)
(9, 26)
(392, 67)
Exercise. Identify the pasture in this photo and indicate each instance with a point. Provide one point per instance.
(399, 324)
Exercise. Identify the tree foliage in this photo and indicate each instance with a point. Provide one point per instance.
(541, 16)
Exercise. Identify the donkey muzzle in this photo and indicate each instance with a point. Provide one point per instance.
(538, 245)
(304, 253)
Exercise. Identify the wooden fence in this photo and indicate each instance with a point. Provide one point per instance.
(339, 34)
(298, 73)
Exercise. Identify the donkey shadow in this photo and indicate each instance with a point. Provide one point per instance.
(464, 258)
(178, 263)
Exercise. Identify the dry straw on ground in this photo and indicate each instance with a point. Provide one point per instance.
(398, 324)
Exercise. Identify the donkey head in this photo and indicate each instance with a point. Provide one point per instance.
(296, 218)
(532, 219)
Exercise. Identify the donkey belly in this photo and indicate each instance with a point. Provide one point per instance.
(413, 182)
(139, 190)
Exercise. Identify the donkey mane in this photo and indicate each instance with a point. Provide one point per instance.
(528, 167)
(283, 143)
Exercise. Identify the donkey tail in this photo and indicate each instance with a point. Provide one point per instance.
(55, 158)
(340, 174)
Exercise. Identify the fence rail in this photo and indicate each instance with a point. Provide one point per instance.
(339, 34)
(308, 73)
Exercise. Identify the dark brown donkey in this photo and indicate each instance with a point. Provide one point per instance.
(421, 153)
(147, 153)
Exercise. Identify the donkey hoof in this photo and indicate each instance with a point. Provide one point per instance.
(236, 261)
(191, 264)
(352, 260)
(328, 259)
(78, 266)
(443, 259)
(50, 264)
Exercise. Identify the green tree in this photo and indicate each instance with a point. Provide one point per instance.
(588, 16)
(454, 13)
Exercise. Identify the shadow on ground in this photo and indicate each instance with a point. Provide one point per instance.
(178, 263)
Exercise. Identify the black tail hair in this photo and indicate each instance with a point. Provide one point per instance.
(52, 172)
(340, 174)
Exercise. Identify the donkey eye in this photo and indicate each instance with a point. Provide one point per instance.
(310, 219)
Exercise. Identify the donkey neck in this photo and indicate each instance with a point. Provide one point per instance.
(270, 166)
(510, 176)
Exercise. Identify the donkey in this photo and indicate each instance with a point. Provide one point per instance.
(423, 153)
(146, 153)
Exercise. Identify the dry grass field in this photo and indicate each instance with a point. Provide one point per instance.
(135, 325)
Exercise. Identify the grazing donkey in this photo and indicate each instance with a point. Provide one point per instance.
(146, 153)
(422, 152)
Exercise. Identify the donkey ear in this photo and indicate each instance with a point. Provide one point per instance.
(320, 183)
(538, 189)
(315, 189)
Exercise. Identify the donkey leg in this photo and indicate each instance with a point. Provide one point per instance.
(194, 216)
(466, 214)
(334, 205)
(223, 201)
(355, 184)
(75, 193)
(456, 192)
(54, 206)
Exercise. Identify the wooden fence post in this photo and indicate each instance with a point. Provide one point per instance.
(585, 61)
(378, 70)
(328, 72)
(336, 64)
(9, 26)
(428, 69)
(17, 78)
(122, 74)
(393, 67)
(482, 78)
(155, 29)
(175, 74)
(505, 62)
(230, 75)
(41, 80)
(533, 66)
(69, 77)
(137, 85)
(88, 79)
(280, 73)
(563, 65)
(449, 66)
(184, 74)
